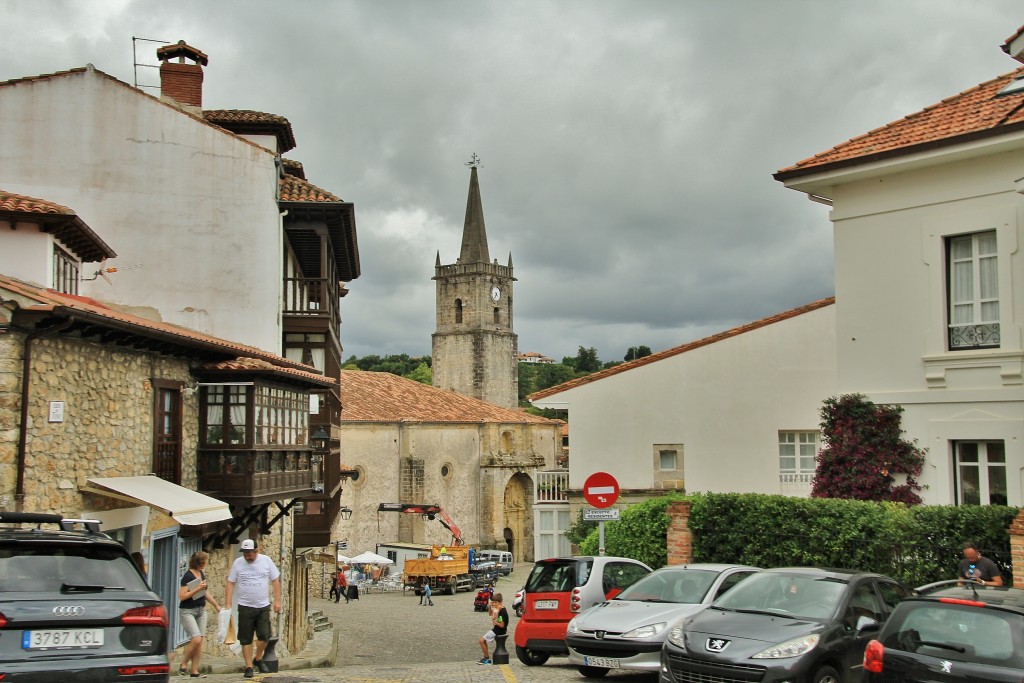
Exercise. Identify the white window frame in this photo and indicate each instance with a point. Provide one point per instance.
(939, 360)
(991, 458)
(969, 326)
(804, 443)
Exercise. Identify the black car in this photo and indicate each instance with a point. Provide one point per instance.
(74, 606)
(951, 633)
(799, 625)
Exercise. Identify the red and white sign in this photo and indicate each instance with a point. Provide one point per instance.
(601, 490)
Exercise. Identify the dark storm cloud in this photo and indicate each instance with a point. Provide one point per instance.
(627, 147)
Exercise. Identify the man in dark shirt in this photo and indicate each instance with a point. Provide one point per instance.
(977, 568)
(499, 621)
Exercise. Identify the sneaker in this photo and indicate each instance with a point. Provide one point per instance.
(248, 672)
(484, 661)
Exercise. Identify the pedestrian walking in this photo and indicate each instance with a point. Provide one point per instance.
(192, 598)
(340, 587)
(426, 600)
(333, 592)
(254, 574)
(499, 626)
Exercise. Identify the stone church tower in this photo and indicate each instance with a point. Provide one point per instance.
(474, 348)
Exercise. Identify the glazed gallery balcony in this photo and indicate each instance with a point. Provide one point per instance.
(254, 442)
(253, 477)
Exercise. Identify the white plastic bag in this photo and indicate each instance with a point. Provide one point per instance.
(224, 626)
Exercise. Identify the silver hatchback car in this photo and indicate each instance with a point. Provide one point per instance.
(628, 631)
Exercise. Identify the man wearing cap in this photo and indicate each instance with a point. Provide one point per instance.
(253, 574)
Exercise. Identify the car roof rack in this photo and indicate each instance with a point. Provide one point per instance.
(40, 518)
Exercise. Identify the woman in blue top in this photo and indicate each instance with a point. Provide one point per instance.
(193, 596)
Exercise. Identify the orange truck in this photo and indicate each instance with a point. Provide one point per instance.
(446, 570)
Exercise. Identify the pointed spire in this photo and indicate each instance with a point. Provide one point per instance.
(510, 260)
(437, 261)
(474, 234)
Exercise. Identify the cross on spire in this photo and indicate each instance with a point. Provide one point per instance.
(474, 161)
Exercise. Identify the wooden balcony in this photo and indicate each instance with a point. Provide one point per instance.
(311, 304)
(248, 477)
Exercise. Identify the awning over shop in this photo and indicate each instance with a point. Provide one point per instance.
(185, 506)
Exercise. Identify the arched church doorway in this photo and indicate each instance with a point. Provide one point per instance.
(518, 513)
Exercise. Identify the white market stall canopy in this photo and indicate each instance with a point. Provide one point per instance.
(370, 558)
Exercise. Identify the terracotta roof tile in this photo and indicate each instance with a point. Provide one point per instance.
(292, 167)
(383, 397)
(182, 49)
(977, 112)
(23, 204)
(294, 189)
(675, 351)
(243, 121)
(59, 220)
(34, 298)
(243, 364)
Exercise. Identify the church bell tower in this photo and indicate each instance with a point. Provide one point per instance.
(474, 348)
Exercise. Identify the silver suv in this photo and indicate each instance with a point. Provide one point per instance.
(74, 606)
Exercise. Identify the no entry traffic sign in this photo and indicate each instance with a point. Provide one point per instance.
(601, 490)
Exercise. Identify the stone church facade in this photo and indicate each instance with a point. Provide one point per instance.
(474, 347)
(411, 443)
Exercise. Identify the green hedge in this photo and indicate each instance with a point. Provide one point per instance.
(917, 544)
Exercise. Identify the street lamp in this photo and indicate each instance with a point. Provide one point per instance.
(320, 438)
(346, 513)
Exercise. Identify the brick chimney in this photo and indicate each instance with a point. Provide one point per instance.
(182, 81)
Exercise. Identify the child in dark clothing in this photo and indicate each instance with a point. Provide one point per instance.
(499, 621)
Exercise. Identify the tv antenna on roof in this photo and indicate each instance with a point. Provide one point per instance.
(136, 63)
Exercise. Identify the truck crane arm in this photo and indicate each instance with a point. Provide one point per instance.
(428, 511)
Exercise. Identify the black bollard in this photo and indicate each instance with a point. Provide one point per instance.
(270, 657)
(500, 655)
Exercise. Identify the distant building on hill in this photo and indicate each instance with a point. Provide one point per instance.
(534, 357)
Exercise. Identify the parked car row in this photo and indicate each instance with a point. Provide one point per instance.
(730, 623)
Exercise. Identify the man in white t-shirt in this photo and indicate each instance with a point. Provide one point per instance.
(252, 575)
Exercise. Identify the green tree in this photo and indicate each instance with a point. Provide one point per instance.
(422, 374)
(635, 352)
(551, 374)
(587, 360)
(863, 450)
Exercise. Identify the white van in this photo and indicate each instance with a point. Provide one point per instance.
(502, 557)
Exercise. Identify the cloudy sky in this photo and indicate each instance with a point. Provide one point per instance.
(627, 146)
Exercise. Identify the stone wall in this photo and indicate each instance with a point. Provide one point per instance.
(107, 431)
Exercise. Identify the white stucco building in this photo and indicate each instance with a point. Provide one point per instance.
(738, 411)
(927, 215)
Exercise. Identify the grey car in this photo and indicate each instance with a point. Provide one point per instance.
(628, 631)
(792, 625)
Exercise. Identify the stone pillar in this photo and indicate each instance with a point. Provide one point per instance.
(679, 539)
(1017, 549)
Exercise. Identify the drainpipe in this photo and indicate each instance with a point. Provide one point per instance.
(19, 491)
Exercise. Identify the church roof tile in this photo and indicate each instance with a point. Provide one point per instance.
(384, 397)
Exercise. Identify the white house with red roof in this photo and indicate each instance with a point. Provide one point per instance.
(737, 411)
(928, 220)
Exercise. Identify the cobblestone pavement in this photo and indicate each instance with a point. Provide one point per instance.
(390, 638)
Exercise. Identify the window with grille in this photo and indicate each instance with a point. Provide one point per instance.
(973, 291)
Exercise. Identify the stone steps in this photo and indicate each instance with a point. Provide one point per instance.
(319, 621)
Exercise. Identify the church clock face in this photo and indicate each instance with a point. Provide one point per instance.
(495, 294)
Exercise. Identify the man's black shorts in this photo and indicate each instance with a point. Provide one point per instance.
(253, 619)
